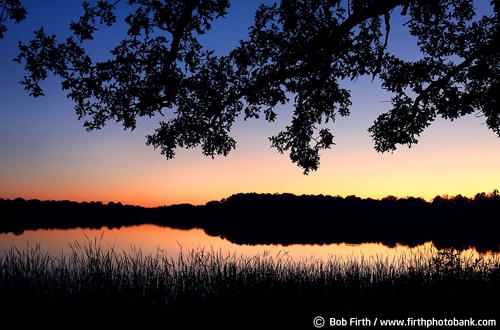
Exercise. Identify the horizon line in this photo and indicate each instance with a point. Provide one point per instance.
(446, 196)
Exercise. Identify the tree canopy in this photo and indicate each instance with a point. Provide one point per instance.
(10, 9)
(298, 51)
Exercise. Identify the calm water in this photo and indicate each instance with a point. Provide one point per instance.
(150, 238)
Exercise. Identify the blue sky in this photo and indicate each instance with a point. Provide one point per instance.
(45, 153)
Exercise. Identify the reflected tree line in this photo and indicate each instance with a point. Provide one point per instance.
(253, 218)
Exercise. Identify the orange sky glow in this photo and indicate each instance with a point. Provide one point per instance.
(46, 154)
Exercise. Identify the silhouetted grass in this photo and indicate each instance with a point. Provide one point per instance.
(96, 288)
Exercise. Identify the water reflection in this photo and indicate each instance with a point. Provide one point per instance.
(150, 238)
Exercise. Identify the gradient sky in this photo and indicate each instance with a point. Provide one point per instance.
(45, 153)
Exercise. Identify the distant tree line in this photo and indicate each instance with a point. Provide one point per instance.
(253, 218)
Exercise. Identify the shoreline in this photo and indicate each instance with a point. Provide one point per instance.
(285, 219)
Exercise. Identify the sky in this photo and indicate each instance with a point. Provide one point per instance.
(46, 154)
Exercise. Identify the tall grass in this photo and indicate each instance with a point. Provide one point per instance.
(102, 288)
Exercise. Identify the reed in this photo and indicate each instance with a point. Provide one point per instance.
(109, 288)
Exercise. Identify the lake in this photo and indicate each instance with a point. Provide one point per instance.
(150, 238)
(127, 292)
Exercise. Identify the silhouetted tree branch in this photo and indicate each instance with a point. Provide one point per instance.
(295, 49)
(10, 9)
